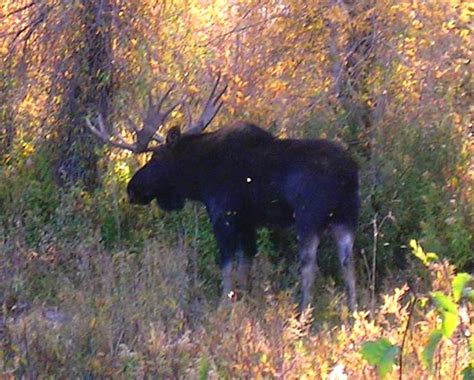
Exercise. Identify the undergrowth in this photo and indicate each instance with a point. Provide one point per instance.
(92, 287)
(121, 315)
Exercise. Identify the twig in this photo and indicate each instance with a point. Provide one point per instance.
(405, 333)
(18, 10)
(374, 265)
(239, 29)
(376, 230)
(29, 28)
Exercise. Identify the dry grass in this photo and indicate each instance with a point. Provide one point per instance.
(85, 312)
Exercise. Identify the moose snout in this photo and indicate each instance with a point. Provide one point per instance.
(136, 197)
(132, 197)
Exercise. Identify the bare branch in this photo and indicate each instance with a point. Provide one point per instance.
(18, 10)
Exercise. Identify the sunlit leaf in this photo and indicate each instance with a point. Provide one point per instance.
(449, 313)
(444, 302)
(431, 256)
(380, 353)
(418, 251)
(430, 348)
(459, 283)
(450, 323)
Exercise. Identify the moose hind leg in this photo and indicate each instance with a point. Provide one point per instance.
(236, 243)
(247, 251)
(243, 271)
(307, 252)
(344, 237)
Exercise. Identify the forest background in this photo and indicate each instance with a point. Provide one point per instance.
(94, 287)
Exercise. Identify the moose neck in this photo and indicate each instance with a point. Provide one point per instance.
(189, 165)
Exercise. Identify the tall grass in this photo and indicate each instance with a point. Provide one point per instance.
(123, 315)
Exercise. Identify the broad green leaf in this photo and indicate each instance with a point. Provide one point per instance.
(468, 372)
(459, 282)
(430, 348)
(444, 302)
(450, 323)
(380, 353)
(449, 312)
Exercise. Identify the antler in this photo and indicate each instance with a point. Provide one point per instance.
(211, 108)
(152, 120)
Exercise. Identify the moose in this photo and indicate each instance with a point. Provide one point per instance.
(247, 179)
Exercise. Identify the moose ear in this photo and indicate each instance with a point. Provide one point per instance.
(172, 137)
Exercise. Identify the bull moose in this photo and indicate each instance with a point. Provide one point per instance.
(247, 178)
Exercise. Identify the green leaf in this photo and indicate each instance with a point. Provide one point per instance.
(428, 352)
(459, 283)
(444, 302)
(468, 372)
(203, 369)
(470, 294)
(450, 323)
(380, 353)
(449, 312)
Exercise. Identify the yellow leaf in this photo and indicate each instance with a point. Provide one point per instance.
(418, 251)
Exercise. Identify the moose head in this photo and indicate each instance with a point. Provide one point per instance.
(157, 179)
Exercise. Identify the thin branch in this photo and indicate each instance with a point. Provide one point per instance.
(239, 29)
(405, 333)
(30, 32)
(19, 10)
(374, 265)
(30, 28)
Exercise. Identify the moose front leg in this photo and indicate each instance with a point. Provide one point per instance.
(246, 253)
(226, 233)
(227, 253)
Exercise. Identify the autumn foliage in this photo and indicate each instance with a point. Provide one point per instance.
(93, 287)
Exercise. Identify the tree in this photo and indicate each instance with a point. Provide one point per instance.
(61, 57)
(87, 88)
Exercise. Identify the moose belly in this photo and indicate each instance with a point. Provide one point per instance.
(273, 213)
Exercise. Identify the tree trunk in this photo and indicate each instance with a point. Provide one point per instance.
(351, 68)
(89, 90)
(7, 126)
